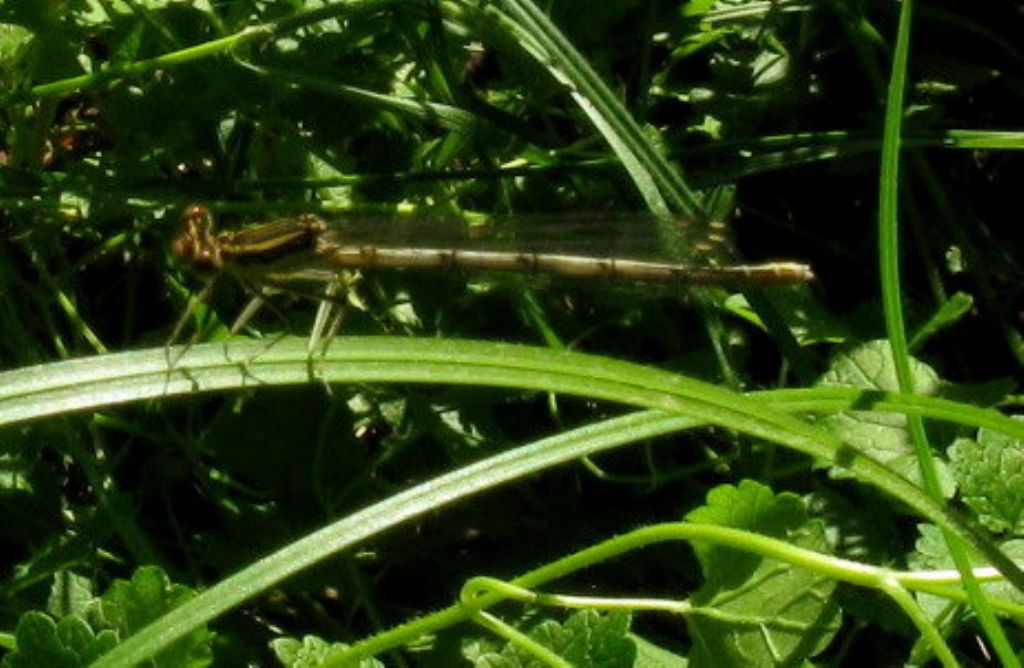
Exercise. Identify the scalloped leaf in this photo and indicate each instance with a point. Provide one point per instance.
(990, 473)
(310, 652)
(932, 553)
(131, 605)
(756, 611)
(750, 506)
(69, 643)
(587, 638)
(883, 436)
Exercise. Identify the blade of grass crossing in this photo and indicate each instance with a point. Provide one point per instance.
(891, 298)
(645, 163)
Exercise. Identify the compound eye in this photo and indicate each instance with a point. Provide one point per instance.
(195, 244)
(196, 220)
(196, 212)
(183, 247)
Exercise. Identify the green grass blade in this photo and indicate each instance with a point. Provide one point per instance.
(658, 181)
(350, 531)
(115, 379)
(894, 320)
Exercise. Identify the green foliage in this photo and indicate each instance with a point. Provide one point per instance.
(930, 552)
(990, 473)
(885, 437)
(310, 652)
(130, 605)
(755, 611)
(649, 655)
(585, 639)
(69, 643)
(89, 627)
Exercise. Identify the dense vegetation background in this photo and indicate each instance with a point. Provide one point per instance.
(138, 480)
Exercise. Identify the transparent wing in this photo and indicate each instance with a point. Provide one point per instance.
(617, 235)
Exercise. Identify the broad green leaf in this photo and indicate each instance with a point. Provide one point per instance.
(590, 639)
(649, 655)
(883, 436)
(774, 614)
(70, 593)
(990, 473)
(750, 506)
(587, 638)
(931, 553)
(131, 605)
(310, 652)
(14, 40)
(66, 644)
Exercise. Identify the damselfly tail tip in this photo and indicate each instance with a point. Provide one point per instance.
(778, 273)
(795, 273)
(805, 272)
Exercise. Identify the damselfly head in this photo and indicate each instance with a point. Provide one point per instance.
(197, 245)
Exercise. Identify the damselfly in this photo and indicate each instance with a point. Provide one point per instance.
(308, 248)
(282, 254)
